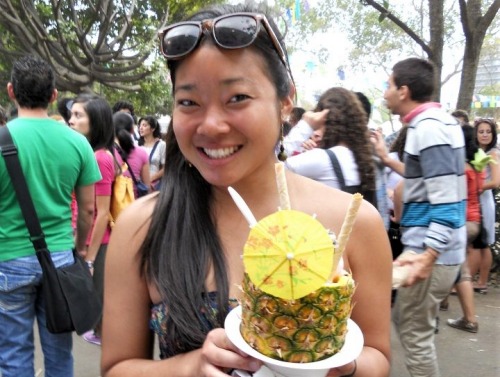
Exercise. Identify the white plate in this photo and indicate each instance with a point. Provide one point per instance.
(350, 351)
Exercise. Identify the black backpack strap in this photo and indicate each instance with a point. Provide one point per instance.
(10, 155)
(336, 168)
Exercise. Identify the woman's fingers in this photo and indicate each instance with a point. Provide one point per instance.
(220, 352)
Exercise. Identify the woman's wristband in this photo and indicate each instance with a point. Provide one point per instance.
(354, 370)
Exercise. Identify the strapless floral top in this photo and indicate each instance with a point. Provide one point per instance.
(158, 321)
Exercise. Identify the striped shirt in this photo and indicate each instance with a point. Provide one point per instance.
(435, 192)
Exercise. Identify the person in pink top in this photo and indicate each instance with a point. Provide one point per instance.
(92, 116)
(136, 158)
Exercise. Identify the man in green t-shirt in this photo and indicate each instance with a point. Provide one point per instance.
(56, 162)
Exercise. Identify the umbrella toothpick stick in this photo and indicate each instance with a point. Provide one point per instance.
(345, 231)
(279, 169)
(243, 207)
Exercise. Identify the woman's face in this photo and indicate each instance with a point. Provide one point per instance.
(79, 120)
(484, 135)
(226, 115)
(145, 128)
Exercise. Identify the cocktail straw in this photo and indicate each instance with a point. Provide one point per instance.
(345, 231)
(279, 169)
(242, 206)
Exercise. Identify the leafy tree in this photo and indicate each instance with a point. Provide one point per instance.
(381, 33)
(474, 23)
(97, 45)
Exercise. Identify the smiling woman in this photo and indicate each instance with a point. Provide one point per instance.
(174, 262)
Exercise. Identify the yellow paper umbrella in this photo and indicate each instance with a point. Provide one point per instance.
(288, 254)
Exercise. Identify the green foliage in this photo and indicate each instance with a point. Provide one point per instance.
(154, 97)
(105, 46)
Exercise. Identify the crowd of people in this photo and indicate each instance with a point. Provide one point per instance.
(171, 266)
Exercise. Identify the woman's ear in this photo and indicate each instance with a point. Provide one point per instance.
(287, 103)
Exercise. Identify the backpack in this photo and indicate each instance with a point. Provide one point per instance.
(122, 194)
(369, 195)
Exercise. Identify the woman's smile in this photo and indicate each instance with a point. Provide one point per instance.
(220, 153)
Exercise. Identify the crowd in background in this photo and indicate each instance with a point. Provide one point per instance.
(430, 185)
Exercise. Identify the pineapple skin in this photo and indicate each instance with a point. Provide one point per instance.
(305, 330)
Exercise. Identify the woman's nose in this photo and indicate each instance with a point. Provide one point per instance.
(214, 122)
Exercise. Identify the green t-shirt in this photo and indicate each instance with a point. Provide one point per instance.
(55, 159)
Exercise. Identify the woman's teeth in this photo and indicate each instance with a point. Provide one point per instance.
(220, 153)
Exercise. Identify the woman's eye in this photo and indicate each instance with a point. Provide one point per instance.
(185, 102)
(239, 98)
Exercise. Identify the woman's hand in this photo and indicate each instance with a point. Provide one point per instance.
(219, 356)
(345, 370)
(309, 144)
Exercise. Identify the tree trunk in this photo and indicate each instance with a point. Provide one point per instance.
(436, 43)
(475, 26)
(468, 76)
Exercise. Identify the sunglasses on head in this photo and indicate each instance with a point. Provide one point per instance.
(231, 31)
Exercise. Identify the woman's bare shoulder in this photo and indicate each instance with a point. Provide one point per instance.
(133, 223)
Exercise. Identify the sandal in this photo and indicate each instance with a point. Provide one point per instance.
(481, 290)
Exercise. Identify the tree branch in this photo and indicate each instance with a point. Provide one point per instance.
(382, 10)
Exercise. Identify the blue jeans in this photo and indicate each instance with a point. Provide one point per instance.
(21, 300)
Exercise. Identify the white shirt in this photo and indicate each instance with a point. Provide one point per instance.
(297, 135)
(316, 164)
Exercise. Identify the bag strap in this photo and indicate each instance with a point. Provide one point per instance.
(336, 168)
(10, 155)
(153, 151)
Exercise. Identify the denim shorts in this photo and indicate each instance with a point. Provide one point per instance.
(21, 301)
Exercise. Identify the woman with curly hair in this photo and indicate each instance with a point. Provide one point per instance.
(347, 137)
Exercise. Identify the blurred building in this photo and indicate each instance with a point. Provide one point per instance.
(488, 74)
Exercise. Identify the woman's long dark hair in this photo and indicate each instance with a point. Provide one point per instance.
(124, 126)
(471, 146)
(102, 133)
(346, 123)
(398, 145)
(182, 244)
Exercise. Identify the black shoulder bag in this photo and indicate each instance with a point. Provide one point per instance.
(71, 303)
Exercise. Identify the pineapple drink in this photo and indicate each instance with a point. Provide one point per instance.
(308, 329)
(298, 327)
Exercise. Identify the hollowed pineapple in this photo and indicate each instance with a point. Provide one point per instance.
(308, 329)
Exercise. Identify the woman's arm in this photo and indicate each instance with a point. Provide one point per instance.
(100, 226)
(368, 255)
(127, 341)
(380, 149)
(157, 175)
(398, 201)
(145, 176)
(494, 182)
(85, 200)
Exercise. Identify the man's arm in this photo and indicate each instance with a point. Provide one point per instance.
(85, 201)
(380, 148)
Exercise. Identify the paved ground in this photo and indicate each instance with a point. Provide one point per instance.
(460, 353)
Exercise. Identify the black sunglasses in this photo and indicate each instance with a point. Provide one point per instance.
(231, 31)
